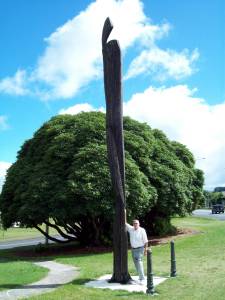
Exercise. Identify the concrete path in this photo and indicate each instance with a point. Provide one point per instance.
(58, 275)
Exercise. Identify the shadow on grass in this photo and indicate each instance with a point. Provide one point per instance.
(24, 287)
(51, 252)
(81, 281)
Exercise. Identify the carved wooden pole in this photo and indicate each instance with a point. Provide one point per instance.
(115, 146)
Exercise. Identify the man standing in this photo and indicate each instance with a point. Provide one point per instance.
(139, 244)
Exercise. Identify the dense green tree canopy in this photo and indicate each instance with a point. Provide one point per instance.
(61, 178)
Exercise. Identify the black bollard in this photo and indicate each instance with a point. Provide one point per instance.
(173, 271)
(150, 285)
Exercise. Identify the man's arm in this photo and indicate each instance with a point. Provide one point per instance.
(145, 240)
(128, 226)
(145, 248)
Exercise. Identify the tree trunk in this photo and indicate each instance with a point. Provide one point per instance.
(115, 147)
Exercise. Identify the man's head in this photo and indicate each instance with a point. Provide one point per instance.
(136, 224)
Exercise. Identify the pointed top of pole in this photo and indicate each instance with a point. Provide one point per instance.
(107, 28)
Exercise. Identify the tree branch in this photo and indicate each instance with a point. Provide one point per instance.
(50, 237)
(60, 231)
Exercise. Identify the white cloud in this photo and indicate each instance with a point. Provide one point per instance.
(3, 123)
(73, 55)
(184, 118)
(189, 120)
(84, 107)
(15, 85)
(164, 64)
(3, 168)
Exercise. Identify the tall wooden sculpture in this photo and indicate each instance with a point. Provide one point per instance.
(115, 147)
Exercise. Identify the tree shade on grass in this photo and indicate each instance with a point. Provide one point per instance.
(61, 178)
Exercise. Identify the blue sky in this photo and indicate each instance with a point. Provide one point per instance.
(173, 67)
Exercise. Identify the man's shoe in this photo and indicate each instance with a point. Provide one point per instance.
(142, 282)
(133, 282)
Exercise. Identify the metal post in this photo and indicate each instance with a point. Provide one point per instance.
(150, 285)
(173, 272)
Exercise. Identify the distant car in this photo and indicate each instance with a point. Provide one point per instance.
(16, 224)
(217, 208)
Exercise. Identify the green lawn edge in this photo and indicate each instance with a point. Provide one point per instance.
(17, 273)
(200, 267)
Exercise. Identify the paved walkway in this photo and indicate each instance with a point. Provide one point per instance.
(58, 275)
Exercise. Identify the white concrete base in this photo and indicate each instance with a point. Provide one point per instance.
(102, 283)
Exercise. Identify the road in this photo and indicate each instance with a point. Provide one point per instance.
(206, 213)
(21, 243)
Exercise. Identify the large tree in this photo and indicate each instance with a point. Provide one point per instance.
(61, 178)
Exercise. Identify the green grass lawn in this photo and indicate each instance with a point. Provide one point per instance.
(200, 268)
(16, 233)
(16, 273)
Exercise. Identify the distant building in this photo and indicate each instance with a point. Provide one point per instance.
(220, 189)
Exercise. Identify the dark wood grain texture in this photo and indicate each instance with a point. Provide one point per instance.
(115, 146)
